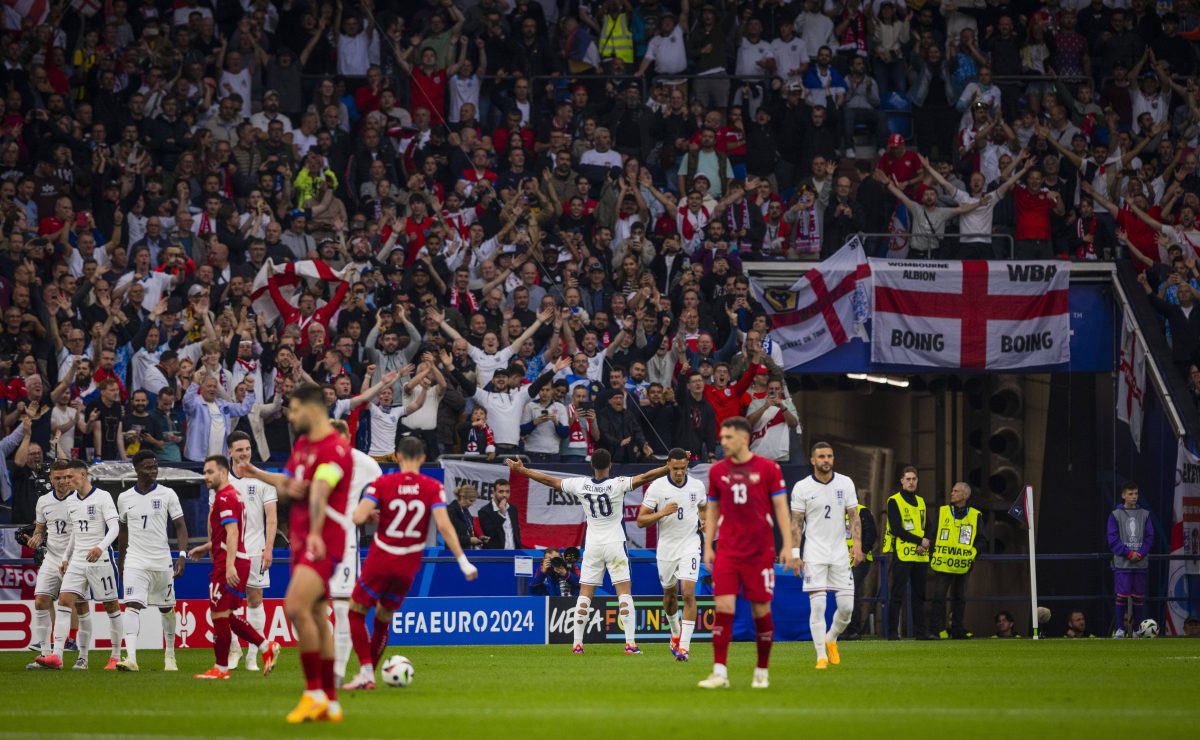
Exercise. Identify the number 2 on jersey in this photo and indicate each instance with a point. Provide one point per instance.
(402, 509)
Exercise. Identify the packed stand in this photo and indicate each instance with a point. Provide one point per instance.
(522, 226)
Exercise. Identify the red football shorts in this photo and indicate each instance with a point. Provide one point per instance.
(221, 596)
(386, 579)
(750, 576)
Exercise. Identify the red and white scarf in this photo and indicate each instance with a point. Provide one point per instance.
(691, 227)
(806, 233)
(457, 298)
(854, 38)
(742, 221)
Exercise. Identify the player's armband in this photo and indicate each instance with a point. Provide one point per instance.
(329, 473)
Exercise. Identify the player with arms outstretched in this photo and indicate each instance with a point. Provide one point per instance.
(676, 503)
(230, 572)
(341, 585)
(405, 502)
(317, 478)
(53, 525)
(604, 547)
(147, 569)
(87, 564)
(821, 504)
(744, 490)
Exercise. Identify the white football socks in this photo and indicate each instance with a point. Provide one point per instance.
(673, 618)
(687, 627)
(581, 614)
(816, 621)
(841, 618)
(256, 616)
(629, 618)
(84, 636)
(168, 624)
(41, 629)
(133, 625)
(62, 628)
(342, 644)
(115, 632)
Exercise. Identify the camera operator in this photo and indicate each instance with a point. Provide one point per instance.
(554, 577)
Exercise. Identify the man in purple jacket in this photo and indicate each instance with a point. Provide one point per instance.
(1130, 537)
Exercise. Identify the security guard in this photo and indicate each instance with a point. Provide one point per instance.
(905, 539)
(863, 569)
(955, 544)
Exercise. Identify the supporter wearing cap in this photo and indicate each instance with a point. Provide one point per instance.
(270, 112)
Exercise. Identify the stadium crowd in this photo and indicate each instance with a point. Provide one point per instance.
(506, 225)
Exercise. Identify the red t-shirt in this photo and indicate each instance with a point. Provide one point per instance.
(414, 237)
(365, 100)
(429, 92)
(902, 168)
(226, 508)
(745, 494)
(1033, 213)
(1141, 236)
(727, 401)
(307, 457)
(406, 502)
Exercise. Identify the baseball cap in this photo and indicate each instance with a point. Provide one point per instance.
(895, 140)
(194, 291)
(270, 94)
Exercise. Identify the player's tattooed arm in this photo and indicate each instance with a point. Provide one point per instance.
(856, 552)
(516, 466)
(797, 527)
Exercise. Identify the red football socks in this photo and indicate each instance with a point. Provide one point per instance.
(311, 663)
(359, 637)
(328, 679)
(242, 629)
(221, 640)
(764, 637)
(379, 640)
(722, 635)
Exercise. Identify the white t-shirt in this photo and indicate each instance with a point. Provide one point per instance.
(255, 495)
(216, 429)
(353, 54)
(90, 517)
(463, 90)
(611, 158)
(789, 55)
(678, 534)
(145, 516)
(504, 412)
(55, 515)
(668, 53)
(824, 506)
(749, 54)
(486, 365)
(383, 429)
(156, 284)
(366, 471)
(816, 29)
(240, 83)
(603, 507)
(978, 221)
(770, 437)
(544, 437)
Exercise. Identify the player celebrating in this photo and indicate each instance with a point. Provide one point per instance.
(230, 572)
(146, 568)
(676, 504)
(405, 501)
(318, 478)
(259, 502)
(604, 547)
(86, 564)
(53, 524)
(820, 506)
(744, 490)
(341, 585)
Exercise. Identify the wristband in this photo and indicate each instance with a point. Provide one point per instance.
(465, 565)
(796, 552)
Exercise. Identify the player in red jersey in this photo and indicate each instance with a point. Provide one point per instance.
(744, 491)
(230, 571)
(405, 501)
(317, 477)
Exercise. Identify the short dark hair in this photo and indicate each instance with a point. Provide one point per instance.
(411, 448)
(501, 482)
(143, 455)
(309, 393)
(677, 453)
(1130, 486)
(79, 465)
(820, 446)
(61, 464)
(740, 423)
(237, 436)
(601, 460)
(908, 469)
(220, 460)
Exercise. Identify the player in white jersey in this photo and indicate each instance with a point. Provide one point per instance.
(603, 501)
(341, 583)
(87, 564)
(676, 503)
(820, 504)
(53, 525)
(148, 571)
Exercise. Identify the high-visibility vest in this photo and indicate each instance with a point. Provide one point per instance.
(913, 518)
(616, 40)
(867, 554)
(954, 547)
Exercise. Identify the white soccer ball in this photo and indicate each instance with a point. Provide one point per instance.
(1148, 628)
(397, 671)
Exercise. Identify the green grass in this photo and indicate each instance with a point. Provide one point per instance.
(980, 689)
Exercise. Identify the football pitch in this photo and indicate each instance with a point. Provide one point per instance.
(975, 689)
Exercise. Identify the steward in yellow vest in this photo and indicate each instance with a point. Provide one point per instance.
(616, 38)
(905, 538)
(955, 544)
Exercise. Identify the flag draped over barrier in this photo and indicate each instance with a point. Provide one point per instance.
(1131, 379)
(974, 315)
(824, 309)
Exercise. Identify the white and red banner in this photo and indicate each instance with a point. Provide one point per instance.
(1131, 378)
(548, 518)
(1184, 575)
(826, 308)
(193, 626)
(288, 280)
(975, 315)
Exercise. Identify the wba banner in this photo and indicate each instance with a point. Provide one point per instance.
(286, 279)
(1183, 581)
(1131, 382)
(826, 308)
(548, 518)
(970, 314)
